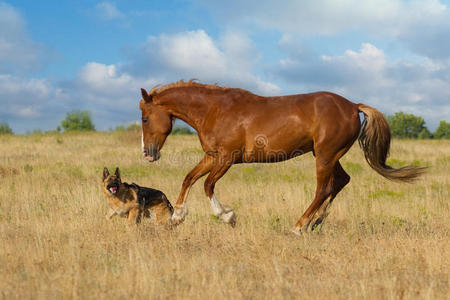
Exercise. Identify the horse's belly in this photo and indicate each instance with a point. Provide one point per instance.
(264, 151)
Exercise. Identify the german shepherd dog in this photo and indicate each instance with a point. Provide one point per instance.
(134, 201)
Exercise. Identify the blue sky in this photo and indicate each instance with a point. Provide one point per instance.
(56, 56)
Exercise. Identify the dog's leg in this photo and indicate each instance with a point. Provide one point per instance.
(111, 213)
(133, 216)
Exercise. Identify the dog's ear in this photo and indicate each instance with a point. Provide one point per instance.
(117, 173)
(105, 173)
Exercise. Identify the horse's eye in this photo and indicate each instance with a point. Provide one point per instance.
(144, 120)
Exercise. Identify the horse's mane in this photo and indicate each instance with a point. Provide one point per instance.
(190, 83)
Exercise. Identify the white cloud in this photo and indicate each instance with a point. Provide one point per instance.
(17, 51)
(111, 92)
(27, 112)
(104, 78)
(369, 74)
(192, 51)
(329, 16)
(194, 54)
(25, 101)
(112, 95)
(29, 103)
(423, 26)
(13, 88)
(239, 50)
(422, 88)
(108, 11)
(366, 66)
(105, 85)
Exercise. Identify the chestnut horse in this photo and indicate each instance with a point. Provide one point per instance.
(235, 126)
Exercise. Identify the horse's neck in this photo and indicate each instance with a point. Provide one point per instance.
(189, 106)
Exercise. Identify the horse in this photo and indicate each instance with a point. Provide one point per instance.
(236, 126)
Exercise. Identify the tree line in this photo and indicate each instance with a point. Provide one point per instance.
(81, 120)
(402, 125)
(409, 126)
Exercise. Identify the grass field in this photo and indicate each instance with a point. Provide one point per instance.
(382, 240)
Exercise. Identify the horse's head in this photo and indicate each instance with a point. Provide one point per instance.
(156, 126)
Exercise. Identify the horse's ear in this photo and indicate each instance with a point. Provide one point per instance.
(145, 96)
(105, 173)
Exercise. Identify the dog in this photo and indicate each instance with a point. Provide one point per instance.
(135, 201)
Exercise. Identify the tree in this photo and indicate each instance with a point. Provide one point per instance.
(78, 120)
(443, 131)
(5, 129)
(181, 130)
(406, 125)
(425, 134)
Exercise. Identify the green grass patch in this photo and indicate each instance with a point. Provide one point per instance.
(397, 163)
(384, 194)
(398, 222)
(353, 168)
(74, 172)
(192, 151)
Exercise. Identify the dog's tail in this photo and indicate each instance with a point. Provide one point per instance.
(375, 140)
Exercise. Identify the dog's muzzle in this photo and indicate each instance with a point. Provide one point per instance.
(113, 188)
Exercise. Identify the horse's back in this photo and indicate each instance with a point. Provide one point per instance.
(287, 124)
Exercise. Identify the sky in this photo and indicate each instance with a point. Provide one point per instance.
(58, 56)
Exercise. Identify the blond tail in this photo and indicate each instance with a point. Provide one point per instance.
(375, 140)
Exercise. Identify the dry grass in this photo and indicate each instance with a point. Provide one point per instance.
(381, 240)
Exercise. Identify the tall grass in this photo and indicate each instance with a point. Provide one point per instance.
(381, 240)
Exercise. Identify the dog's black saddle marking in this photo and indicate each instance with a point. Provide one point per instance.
(148, 196)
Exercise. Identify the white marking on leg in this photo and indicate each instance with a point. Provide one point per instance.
(297, 231)
(216, 206)
(179, 213)
(225, 213)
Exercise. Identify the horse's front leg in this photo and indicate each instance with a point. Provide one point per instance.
(180, 207)
(224, 212)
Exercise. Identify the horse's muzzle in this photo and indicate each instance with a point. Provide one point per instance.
(151, 154)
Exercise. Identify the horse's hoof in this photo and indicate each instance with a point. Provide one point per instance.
(178, 216)
(229, 218)
(297, 231)
(300, 230)
(176, 221)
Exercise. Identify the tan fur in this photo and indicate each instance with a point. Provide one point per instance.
(125, 204)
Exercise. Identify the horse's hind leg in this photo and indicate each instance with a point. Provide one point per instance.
(339, 180)
(324, 172)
